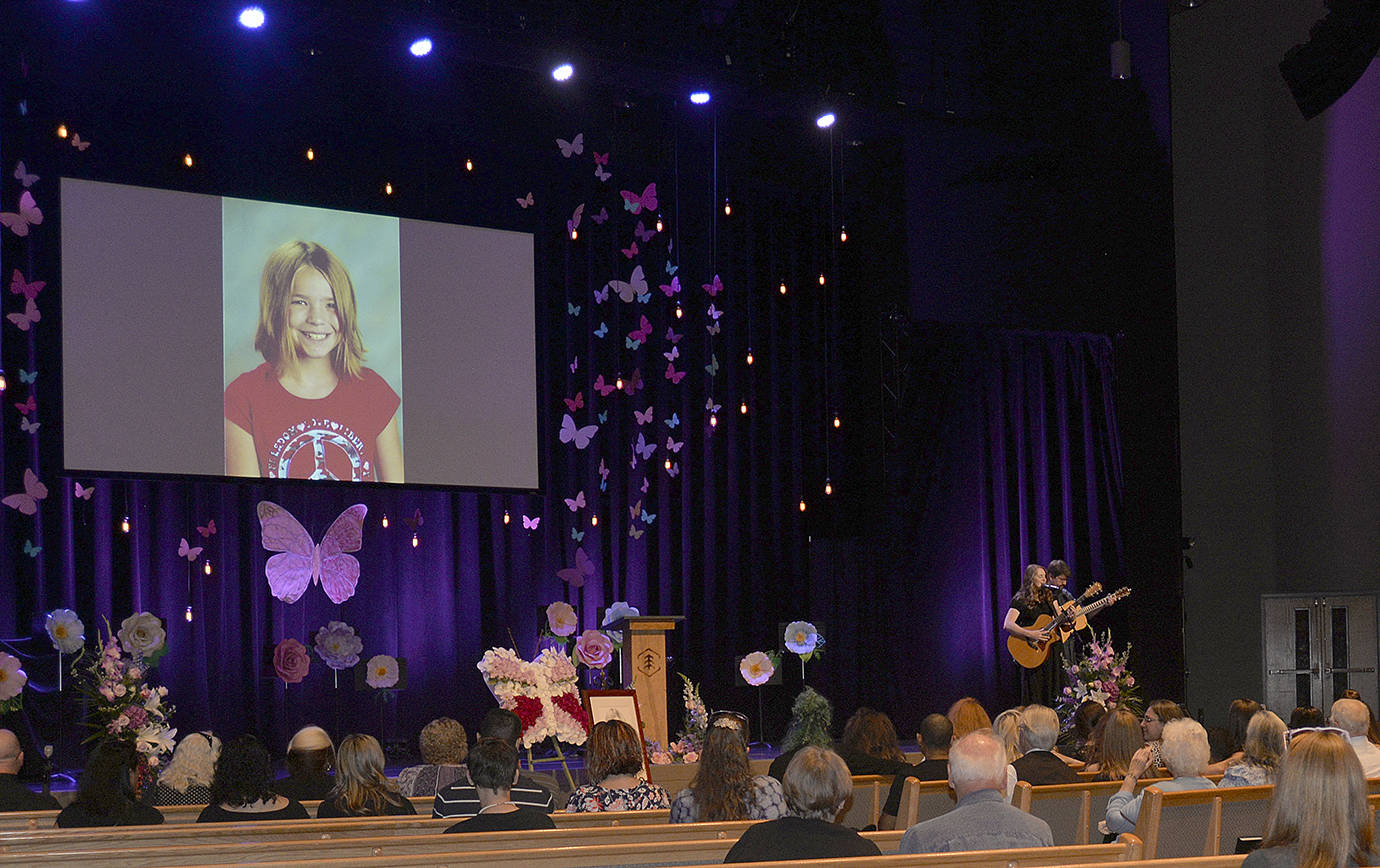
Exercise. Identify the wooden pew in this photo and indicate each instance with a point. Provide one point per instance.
(1186, 862)
(677, 776)
(1187, 823)
(923, 800)
(1072, 810)
(869, 795)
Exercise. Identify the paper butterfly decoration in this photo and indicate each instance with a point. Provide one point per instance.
(648, 517)
(635, 286)
(83, 493)
(713, 313)
(603, 469)
(711, 406)
(712, 369)
(602, 174)
(415, 521)
(672, 336)
(27, 407)
(635, 202)
(574, 222)
(576, 503)
(673, 375)
(603, 417)
(644, 417)
(572, 147)
(208, 530)
(27, 318)
(643, 332)
(28, 215)
(583, 569)
(527, 201)
(643, 448)
(673, 421)
(27, 426)
(714, 288)
(303, 562)
(78, 143)
(671, 268)
(671, 288)
(643, 233)
(601, 217)
(579, 436)
(672, 445)
(602, 330)
(599, 159)
(674, 470)
(574, 364)
(633, 383)
(601, 295)
(604, 389)
(577, 535)
(27, 376)
(189, 552)
(530, 523)
(634, 510)
(629, 252)
(646, 483)
(26, 288)
(21, 174)
(672, 355)
(30, 549)
(713, 328)
(572, 309)
(576, 402)
(635, 532)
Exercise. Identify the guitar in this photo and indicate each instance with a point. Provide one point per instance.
(1031, 653)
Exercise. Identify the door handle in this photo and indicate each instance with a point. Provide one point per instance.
(1313, 671)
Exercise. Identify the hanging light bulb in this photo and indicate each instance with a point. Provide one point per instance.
(679, 313)
(742, 407)
(574, 234)
(3, 383)
(187, 160)
(618, 381)
(594, 519)
(124, 525)
(311, 154)
(385, 520)
(802, 504)
(388, 188)
(713, 420)
(843, 234)
(415, 541)
(659, 224)
(837, 420)
(507, 519)
(188, 616)
(666, 464)
(206, 568)
(469, 165)
(783, 287)
(728, 207)
(821, 278)
(749, 355)
(828, 486)
(62, 131)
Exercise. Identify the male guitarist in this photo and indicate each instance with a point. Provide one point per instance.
(1035, 598)
(1058, 575)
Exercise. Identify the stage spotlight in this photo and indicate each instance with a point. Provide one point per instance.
(699, 97)
(420, 48)
(563, 72)
(252, 17)
(825, 121)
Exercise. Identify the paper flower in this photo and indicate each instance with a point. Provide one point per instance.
(339, 645)
(757, 668)
(802, 638)
(613, 613)
(142, 635)
(383, 671)
(560, 617)
(594, 649)
(12, 678)
(66, 630)
(291, 661)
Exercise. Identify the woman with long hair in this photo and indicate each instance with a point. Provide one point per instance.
(869, 744)
(1319, 817)
(1239, 715)
(1118, 737)
(613, 759)
(724, 787)
(967, 715)
(1261, 754)
(361, 787)
(243, 787)
(105, 796)
(1035, 598)
(1007, 726)
(187, 778)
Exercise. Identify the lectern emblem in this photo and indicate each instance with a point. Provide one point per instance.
(648, 662)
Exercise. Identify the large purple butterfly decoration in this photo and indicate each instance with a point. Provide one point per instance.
(583, 569)
(303, 561)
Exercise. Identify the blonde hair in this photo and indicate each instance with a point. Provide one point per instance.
(1264, 744)
(1320, 804)
(968, 715)
(274, 340)
(1007, 726)
(1121, 738)
(361, 786)
(1185, 749)
(193, 763)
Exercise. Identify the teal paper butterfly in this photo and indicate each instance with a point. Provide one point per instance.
(712, 369)
(577, 535)
(603, 417)
(602, 330)
(644, 297)
(671, 269)
(648, 517)
(572, 309)
(31, 550)
(673, 421)
(27, 376)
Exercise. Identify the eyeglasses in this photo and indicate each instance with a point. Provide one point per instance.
(1289, 736)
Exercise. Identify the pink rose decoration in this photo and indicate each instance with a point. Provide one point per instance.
(560, 617)
(291, 661)
(594, 649)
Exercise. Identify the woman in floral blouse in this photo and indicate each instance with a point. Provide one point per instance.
(613, 758)
(724, 787)
(1263, 753)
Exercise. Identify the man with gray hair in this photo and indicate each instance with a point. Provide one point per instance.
(982, 820)
(1039, 765)
(14, 796)
(1353, 715)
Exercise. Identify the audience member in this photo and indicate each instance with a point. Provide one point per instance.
(1184, 747)
(1039, 764)
(613, 759)
(243, 788)
(310, 755)
(105, 796)
(1239, 715)
(1160, 712)
(811, 718)
(1353, 716)
(982, 819)
(1118, 738)
(187, 778)
(1319, 817)
(14, 796)
(817, 788)
(724, 787)
(869, 744)
(1373, 732)
(1085, 720)
(1306, 716)
(1261, 754)
(361, 787)
(1007, 726)
(532, 790)
(443, 747)
(493, 769)
(935, 735)
(967, 715)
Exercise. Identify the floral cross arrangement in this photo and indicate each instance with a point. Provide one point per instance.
(544, 693)
(804, 640)
(1101, 676)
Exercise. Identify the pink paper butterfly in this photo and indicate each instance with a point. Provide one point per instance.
(604, 389)
(27, 215)
(635, 202)
(673, 445)
(574, 364)
(78, 143)
(602, 174)
(602, 216)
(671, 288)
(673, 375)
(646, 483)
(26, 319)
(644, 418)
(713, 313)
(714, 288)
(186, 551)
(643, 332)
(643, 448)
(576, 402)
(27, 501)
(599, 160)
(574, 146)
(672, 355)
(603, 469)
(672, 336)
(304, 562)
(636, 285)
(83, 493)
(583, 569)
(643, 233)
(28, 427)
(27, 288)
(207, 531)
(21, 174)
(576, 503)
(574, 222)
(634, 383)
(530, 523)
(526, 201)
(27, 407)
(572, 433)
(629, 252)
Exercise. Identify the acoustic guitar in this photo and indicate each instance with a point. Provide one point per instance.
(1031, 653)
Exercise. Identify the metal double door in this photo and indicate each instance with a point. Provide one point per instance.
(1316, 646)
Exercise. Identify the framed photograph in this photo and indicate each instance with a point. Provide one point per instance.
(602, 705)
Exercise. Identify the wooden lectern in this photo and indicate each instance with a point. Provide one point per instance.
(644, 666)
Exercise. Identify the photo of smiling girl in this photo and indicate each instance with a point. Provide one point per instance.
(311, 410)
